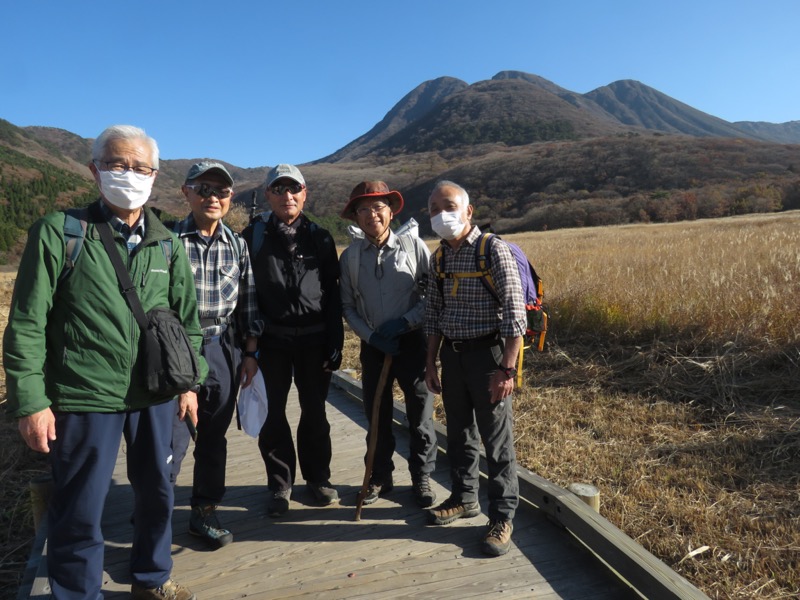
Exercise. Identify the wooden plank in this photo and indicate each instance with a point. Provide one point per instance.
(322, 552)
(625, 556)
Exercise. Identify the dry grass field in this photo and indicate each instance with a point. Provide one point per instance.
(670, 380)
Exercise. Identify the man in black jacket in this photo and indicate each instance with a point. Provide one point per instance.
(296, 271)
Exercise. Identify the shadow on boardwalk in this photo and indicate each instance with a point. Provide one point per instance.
(322, 552)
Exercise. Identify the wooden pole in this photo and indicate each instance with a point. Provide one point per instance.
(373, 432)
(587, 493)
(41, 488)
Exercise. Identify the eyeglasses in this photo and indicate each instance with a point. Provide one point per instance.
(206, 191)
(119, 168)
(292, 188)
(368, 210)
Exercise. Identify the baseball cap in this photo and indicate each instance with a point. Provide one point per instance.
(283, 170)
(205, 166)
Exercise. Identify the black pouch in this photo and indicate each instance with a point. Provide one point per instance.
(169, 363)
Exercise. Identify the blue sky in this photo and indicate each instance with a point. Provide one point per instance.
(255, 83)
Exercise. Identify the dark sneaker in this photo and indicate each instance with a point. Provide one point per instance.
(451, 510)
(169, 590)
(323, 492)
(378, 488)
(421, 485)
(204, 524)
(497, 540)
(278, 503)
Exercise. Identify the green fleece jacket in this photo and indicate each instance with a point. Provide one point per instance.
(73, 345)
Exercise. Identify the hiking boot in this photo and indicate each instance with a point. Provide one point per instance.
(278, 503)
(451, 510)
(204, 524)
(323, 492)
(377, 488)
(169, 590)
(497, 540)
(421, 486)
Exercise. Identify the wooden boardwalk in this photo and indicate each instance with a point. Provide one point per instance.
(322, 552)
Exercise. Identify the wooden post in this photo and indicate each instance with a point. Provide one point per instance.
(41, 488)
(587, 493)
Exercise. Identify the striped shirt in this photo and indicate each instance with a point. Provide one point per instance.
(225, 287)
(473, 311)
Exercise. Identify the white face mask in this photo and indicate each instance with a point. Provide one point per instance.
(125, 190)
(447, 225)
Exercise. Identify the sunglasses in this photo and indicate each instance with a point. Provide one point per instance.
(206, 191)
(292, 188)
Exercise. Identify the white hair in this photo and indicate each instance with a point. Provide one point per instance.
(463, 196)
(123, 132)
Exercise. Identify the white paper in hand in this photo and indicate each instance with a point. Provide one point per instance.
(252, 404)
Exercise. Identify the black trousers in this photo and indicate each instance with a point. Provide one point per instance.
(408, 369)
(301, 363)
(216, 404)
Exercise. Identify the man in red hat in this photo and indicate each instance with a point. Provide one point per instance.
(382, 283)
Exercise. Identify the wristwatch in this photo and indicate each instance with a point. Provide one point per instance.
(248, 354)
(509, 372)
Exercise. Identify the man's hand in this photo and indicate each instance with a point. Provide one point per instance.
(334, 362)
(187, 406)
(500, 386)
(249, 370)
(38, 430)
(393, 328)
(386, 345)
(432, 379)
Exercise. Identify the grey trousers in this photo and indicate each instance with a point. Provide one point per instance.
(465, 393)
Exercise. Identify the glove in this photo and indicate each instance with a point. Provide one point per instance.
(384, 344)
(393, 328)
(335, 360)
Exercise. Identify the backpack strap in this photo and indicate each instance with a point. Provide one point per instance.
(259, 227)
(236, 241)
(75, 222)
(482, 263)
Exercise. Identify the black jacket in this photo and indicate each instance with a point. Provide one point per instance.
(298, 291)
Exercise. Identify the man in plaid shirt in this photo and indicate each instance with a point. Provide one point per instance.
(480, 339)
(231, 324)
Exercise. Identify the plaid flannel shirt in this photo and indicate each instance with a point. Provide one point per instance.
(473, 311)
(225, 288)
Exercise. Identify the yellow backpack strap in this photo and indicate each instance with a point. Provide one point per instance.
(482, 261)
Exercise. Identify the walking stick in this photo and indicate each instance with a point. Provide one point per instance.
(373, 433)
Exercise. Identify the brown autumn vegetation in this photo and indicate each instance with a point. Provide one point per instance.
(670, 381)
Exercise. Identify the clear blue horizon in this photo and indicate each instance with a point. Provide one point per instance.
(255, 84)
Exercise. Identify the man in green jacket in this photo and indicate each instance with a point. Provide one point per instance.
(71, 355)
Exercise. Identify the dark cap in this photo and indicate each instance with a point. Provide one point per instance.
(206, 166)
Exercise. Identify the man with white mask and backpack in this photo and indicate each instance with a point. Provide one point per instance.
(479, 337)
(383, 278)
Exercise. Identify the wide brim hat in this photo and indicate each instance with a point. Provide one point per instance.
(372, 189)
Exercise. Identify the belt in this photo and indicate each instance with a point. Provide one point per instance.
(213, 321)
(295, 331)
(486, 341)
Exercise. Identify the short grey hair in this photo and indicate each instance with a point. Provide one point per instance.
(123, 132)
(462, 193)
